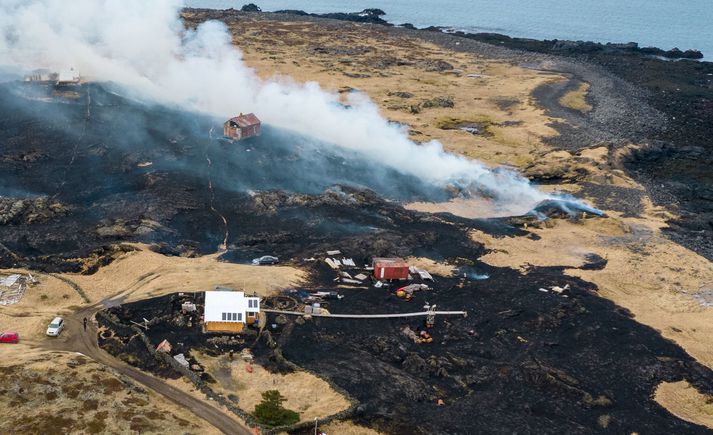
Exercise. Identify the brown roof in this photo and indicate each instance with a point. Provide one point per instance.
(245, 120)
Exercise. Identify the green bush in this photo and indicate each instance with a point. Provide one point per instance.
(270, 412)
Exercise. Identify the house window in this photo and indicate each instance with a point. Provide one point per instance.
(252, 303)
(232, 317)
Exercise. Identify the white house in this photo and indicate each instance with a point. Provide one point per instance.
(229, 310)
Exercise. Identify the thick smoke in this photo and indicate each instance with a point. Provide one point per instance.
(143, 46)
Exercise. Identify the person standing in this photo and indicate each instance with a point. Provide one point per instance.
(85, 323)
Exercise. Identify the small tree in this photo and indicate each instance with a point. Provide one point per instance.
(270, 411)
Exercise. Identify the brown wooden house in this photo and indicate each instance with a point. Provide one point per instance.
(242, 127)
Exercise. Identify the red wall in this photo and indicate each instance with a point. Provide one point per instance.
(390, 271)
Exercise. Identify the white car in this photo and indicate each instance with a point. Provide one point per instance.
(55, 327)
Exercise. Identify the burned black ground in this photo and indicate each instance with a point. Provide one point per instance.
(538, 362)
(84, 173)
(674, 160)
(523, 361)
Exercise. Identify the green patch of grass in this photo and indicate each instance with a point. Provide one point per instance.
(270, 411)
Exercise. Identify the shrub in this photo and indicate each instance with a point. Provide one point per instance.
(270, 411)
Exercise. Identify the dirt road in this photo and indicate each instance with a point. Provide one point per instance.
(78, 340)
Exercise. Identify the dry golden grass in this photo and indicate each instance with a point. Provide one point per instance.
(58, 392)
(434, 267)
(307, 394)
(577, 99)
(480, 88)
(685, 402)
(144, 273)
(647, 273)
(347, 428)
(138, 275)
(39, 305)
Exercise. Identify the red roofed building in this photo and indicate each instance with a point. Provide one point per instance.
(390, 268)
(242, 126)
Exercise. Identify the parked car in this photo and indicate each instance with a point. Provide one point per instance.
(266, 259)
(57, 325)
(9, 337)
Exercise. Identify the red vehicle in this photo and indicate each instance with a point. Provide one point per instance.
(9, 337)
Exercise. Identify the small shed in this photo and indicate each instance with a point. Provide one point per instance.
(229, 311)
(68, 77)
(242, 127)
(390, 268)
(42, 76)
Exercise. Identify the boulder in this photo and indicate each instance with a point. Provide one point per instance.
(251, 7)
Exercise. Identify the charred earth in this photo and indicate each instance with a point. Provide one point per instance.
(85, 169)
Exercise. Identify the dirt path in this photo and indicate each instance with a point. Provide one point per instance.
(86, 343)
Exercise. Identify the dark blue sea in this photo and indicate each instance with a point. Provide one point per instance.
(686, 24)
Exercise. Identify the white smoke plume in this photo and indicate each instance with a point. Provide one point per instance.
(143, 46)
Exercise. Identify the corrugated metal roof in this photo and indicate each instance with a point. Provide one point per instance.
(246, 120)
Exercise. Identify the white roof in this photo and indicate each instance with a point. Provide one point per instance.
(219, 302)
(9, 280)
(68, 76)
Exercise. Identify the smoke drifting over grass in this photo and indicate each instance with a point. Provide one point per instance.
(143, 47)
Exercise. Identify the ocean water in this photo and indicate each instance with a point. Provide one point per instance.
(686, 24)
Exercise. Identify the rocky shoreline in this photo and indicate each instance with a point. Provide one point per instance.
(374, 16)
